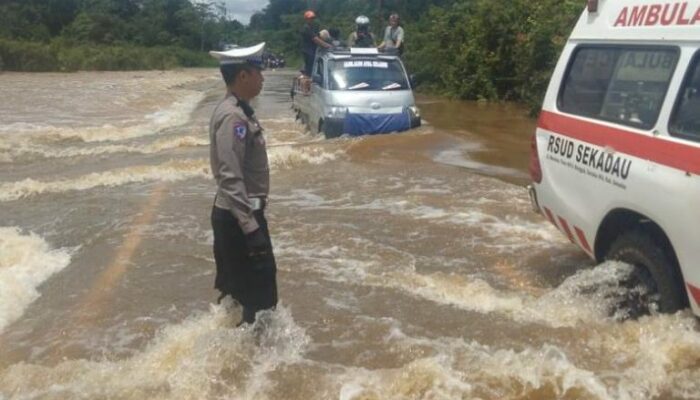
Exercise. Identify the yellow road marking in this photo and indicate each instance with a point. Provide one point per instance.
(101, 290)
(92, 304)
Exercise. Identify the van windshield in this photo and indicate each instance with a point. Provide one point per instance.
(367, 74)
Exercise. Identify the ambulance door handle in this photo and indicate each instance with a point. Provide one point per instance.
(609, 150)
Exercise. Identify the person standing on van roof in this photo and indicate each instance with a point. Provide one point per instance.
(330, 36)
(245, 264)
(362, 37)
(310, 41)
(393, 35)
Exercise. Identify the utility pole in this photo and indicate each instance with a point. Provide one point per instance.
(201, 36)
(204, 12)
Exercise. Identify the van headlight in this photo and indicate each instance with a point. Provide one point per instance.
(414, 111)
(337, 112)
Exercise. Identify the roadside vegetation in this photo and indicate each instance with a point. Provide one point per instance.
(70, 35)
(59, 56)
(466, 49)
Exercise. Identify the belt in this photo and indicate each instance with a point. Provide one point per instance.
(258, 203)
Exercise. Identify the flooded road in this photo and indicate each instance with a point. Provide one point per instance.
(410, 265)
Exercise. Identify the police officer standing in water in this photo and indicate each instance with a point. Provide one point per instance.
(245, 263)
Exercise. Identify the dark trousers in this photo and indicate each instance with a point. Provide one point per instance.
(250, 281)
(309, 63)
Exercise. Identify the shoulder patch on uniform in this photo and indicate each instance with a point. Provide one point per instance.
(240, 130)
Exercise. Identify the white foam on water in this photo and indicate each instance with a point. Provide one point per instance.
(48, 151)
(495, 219)
(176, 114)
(588, 297)
(457, 158)
(281, 120)
(428, 378)
(285, 157)
(24, 127)
(417, 189)
(168, 172)
(280, 158)
(310, 199)
(651, 358)
(203, 357)
(508, 232)
(26, 261)
(175, 227)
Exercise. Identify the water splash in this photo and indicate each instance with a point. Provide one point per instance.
(204, 357)
(26, 261)
(24, 151)
(170, 172)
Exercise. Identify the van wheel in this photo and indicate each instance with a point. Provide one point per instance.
(322, 129)
(654, 273)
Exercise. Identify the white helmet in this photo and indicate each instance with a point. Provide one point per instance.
(362, 20)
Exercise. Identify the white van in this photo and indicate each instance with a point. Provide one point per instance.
(615, 159)
(357, 91)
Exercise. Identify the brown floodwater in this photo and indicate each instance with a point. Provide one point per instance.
(410, 265)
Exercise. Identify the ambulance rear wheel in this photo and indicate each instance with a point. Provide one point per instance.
(655, 273)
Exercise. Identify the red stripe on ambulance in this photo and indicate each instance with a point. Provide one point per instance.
(550, 217)
(563, 225)
(566, 229)
(582, 239)
(675, 155)
(695, 292)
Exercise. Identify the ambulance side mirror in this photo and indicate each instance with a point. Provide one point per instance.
(412, 80)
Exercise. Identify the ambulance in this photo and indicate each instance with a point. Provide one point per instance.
(615, 159)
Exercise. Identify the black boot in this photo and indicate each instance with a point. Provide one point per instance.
(247, 316)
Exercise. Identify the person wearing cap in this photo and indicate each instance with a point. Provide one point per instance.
(245, 263)
(310, 41)
(393, 35)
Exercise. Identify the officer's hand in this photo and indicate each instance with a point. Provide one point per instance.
(257, 243)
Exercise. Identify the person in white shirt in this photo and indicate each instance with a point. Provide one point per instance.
(393, 35)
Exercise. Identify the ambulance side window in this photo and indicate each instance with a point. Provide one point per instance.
(625, 85)
(587, 81)
(685, 121)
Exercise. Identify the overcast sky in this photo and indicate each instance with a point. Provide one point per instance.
(243, 9)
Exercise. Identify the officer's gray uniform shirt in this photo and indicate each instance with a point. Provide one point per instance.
(238, 161)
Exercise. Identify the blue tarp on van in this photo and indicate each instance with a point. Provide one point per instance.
(370, 124)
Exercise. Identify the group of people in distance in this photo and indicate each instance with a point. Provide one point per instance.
(312, 38)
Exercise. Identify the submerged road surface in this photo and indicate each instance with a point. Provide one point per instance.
(410, 265)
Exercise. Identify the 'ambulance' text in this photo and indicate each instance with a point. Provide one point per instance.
(676, 13)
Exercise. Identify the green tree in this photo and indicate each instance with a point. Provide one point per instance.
(95, 28)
